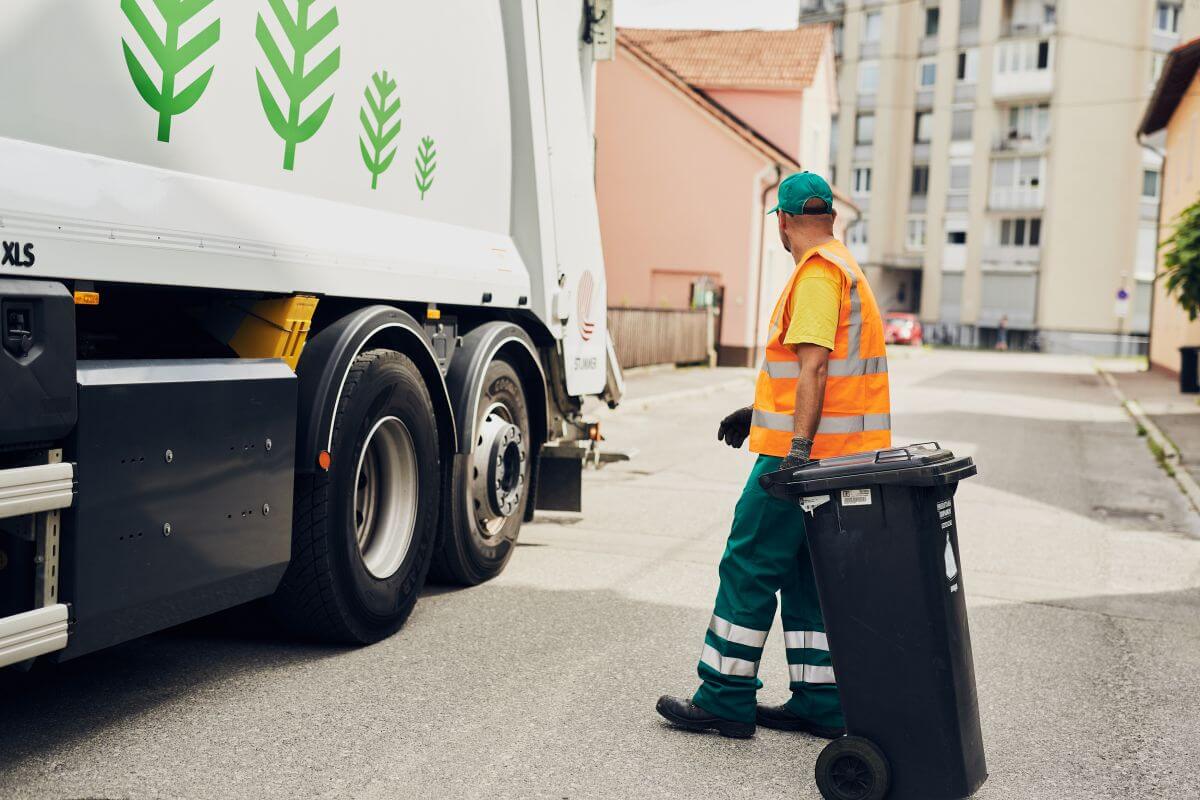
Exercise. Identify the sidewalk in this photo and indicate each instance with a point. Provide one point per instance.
(1156, 395)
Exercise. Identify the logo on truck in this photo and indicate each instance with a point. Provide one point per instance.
(426, 163)
(16, 255)
(375, 117)
(171, 55)
(297, 84)
(586, 292)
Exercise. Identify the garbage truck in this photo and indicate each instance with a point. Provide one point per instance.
(300, 301)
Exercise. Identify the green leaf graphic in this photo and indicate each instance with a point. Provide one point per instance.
(425, 165)
(171, 56)
(297, 84)
(375, 117)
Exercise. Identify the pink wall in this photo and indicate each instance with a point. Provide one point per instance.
(678, 196)
(776, 115)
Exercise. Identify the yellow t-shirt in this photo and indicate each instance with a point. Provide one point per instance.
(816, 305)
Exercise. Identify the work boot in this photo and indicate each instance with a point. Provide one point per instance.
(683, 713)
(781, 718)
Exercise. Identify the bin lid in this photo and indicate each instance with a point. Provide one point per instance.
(926, 464)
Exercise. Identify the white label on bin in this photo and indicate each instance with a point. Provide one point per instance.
(951, 561)
(856, 497)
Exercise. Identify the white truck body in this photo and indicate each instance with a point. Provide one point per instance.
(511, 211)
(282, 279)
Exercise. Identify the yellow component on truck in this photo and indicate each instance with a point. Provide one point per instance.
(275, 329)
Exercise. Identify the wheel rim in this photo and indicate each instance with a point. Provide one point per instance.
(851, 777)
(385, 497)
(497, 479)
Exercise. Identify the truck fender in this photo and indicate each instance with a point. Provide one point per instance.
(464, 379)
(326, 361)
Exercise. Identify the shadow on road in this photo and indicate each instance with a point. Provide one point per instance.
(513, 691)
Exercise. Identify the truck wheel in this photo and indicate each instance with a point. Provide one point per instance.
(852, 768)
(364, 530)
(490, 486)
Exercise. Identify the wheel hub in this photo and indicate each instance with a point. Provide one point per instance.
(852, 777)
(498, 476)
(385, 497)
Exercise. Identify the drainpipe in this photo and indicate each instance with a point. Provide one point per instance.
(762, 247)
(1162, 188)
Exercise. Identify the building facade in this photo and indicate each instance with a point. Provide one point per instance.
(992, 148)
(694, 131)
(1174, 111)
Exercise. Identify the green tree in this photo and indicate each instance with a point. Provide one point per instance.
(171, 55)
(426, 164)
(1181, 260)
(380, 113)
(297, 84)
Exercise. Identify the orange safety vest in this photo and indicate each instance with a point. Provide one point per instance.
(856, 415)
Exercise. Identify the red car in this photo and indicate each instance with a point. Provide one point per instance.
(901, 328)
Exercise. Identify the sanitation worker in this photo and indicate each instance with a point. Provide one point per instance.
(822, 391)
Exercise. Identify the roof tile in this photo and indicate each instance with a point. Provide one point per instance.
(753, 59)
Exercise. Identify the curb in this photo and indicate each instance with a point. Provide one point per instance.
(1171, 457)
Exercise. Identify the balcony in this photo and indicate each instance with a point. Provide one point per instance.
(1020, 259)
(821, 10)
(1022, 29)
(1023, 68)
(1016, 198)
(1020, 143)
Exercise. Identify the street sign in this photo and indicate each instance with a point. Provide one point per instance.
(1122, 305)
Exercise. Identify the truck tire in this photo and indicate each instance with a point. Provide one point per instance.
(365, 529)
(489, 487)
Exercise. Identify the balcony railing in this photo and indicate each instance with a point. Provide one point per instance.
(1020, 29)
(1014, 142)
(1016, 197)
(1012, 257)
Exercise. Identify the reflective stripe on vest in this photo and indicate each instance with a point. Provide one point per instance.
(856, 412)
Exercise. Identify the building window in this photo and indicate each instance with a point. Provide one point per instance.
(926, 73)
(1166, 18)
(932, 17)
(968, 14)
(1016, 182)
(856, 234)
(960, 177)
(861, 180)
(872, 26)
(956, 237)
(1031, 121)
(961, 124)
(1020, 232)
(864, 129)
(868, 77)
(968, 66)
(1150, 184)
(923, 132)
(915, 238)
(1023, 55)
(920, 179)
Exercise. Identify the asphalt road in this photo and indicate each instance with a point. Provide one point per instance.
(1081, 566)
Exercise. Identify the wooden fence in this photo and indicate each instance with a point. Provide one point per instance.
(644, 336)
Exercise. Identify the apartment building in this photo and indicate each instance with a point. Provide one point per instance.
(992, 148)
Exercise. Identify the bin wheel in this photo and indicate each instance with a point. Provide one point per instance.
(852, 768)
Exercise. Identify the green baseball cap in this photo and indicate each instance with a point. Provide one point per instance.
(796, 190)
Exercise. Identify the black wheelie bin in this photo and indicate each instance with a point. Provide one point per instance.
(882, 533)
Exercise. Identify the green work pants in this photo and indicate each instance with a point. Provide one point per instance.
(766, 553)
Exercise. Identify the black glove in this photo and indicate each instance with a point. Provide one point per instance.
(736, 427)
(798, 456)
